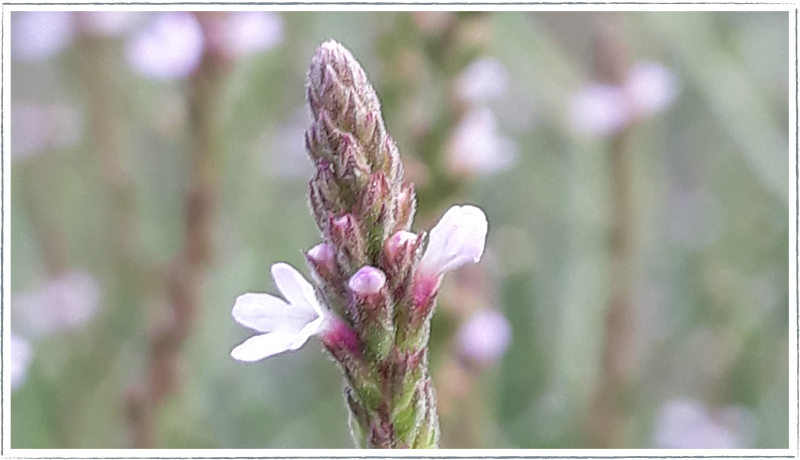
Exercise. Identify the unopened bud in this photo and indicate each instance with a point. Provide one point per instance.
(345, 235)
(322, 255)
(340, 339)
(367, 281)
(398, 242)
(406, 206)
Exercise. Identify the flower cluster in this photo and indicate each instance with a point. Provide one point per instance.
(376, 282)
(603, 110)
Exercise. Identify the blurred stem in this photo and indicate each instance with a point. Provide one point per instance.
(41, 210)
(184, 276)
(91, 364)
(608, 420)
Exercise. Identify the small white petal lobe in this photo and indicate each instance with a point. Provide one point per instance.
(266, 313)
(294, 286)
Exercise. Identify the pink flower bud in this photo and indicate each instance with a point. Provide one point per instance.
(322, 255)
(367, 281)
(340, 337)
(342, 222)
(406, 204)
(398, 241)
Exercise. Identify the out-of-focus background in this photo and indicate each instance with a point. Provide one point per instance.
(633, 168)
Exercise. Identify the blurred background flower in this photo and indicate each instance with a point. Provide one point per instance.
(20, 357)
(65, 303)
(687, 424)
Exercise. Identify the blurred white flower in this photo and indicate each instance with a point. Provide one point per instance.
(688, 424)
(170, 47)
(38, 35)
(38, 128)
(651, 88)
(485, 336)
(476, 147)
(600, 110)
(284, 325)
(252, 31)
(483, 79)
(107, 23)
(20, 355)
(65, 303)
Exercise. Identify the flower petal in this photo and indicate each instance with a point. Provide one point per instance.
(457, 240)
(265, 345)
(266, 313)
(294, 287)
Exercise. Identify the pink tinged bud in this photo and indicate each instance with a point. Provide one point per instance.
(367, 281)
(322, 255)
(485, 337)
(457, 240)
(398, 242)
(344, 224)
(406, 203)
(340, 337)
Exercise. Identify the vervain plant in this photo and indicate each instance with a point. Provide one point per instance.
(375, 282)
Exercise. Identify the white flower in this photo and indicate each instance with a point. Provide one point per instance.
(688, 424)
(20, 355)
(485, 336)
(457, 240)
(477, 148)
(285, 325)
(65, 303)
(252, 31)
(482, 80)
(170, 47)
(38, 35)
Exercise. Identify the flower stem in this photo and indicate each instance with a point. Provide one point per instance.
(608, 421)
